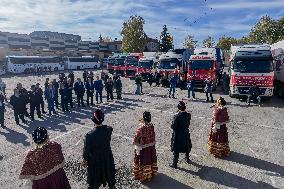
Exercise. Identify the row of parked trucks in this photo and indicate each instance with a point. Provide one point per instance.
(248, 65)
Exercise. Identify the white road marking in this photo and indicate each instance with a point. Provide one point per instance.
(253, 152)
(78, 142)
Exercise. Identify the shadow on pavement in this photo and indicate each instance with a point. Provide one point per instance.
(162, 181)
(256, 163)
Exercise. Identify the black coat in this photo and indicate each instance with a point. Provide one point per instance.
(118, 85)
(34, 97)
(18, 103)
(109, 86)
(97, 152)
(181, 142)
(79, 88)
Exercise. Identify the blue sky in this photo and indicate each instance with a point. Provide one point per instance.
(89, 18)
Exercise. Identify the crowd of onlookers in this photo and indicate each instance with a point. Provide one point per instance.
(36, 96)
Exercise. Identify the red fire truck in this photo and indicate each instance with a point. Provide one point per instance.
(145, 67)
(110, 64)
(251, 64)
(131, 64)
(205, 63)
(118, 67)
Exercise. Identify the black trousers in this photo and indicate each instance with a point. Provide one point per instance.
(2, 116)
(90, 95)
(99, 93)
(56, 101)
(118, 93)
(207, 97)
(64, 103)
(42, 106)
(80, 100)
(34, 107)
(109, 95)
(70, 101)
(176, 157)
(18, 116)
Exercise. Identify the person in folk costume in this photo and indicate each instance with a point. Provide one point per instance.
(218, 143)
(43, 165)
(181, 142)
(145, 158)
(97, 154)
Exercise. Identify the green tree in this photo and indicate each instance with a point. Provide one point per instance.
(208, 42)
(166, 40)
(189, 42)
(226, 42)
(266, 30)
(134, 38)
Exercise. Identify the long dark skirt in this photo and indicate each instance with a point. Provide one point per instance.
(56, 180)
(145, 164)
(218, 143)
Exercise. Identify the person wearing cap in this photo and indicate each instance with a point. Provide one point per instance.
(2, 108)
(208, 89)
(39, 93)
(145, 156)
(218, 143)
(34, 100)
(97, 154)
(19, 106)
(254, 94)
(79, 89)
(181, 142)
(43, 165)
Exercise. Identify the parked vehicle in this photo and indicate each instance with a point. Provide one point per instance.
(81, 63)
(205, 63)
(118, 67)
(131, 64)
(145, 67)
(251, 64)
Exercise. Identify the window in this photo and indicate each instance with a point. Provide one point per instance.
(18, 39)
(79, 59)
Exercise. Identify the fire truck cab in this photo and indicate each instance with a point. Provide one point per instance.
(205, 63)
(131, 64)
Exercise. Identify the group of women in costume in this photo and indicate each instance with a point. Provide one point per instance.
(44, 164)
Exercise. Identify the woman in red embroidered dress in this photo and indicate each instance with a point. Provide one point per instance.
(43, 165)
(145, 159)
(218, 143)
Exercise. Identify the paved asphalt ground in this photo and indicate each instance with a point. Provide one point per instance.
(256, 136)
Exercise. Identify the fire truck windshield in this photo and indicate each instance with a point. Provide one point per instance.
(168, 64)
(146, 64)
(119, 61)
(132, 60)
(253, 66)
(201, 64)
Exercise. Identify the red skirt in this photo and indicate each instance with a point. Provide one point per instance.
(57, 180)
(145, 164)
(218, 143)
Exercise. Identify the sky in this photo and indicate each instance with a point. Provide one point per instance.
(90, 18)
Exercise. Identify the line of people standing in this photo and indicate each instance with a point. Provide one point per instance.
(64, 87)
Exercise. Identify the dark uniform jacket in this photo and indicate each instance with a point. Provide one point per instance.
(18, 103)
(99, 85)
(97, 152)
(79, 88)
(109, 86)
(90, 87)
(34, 97)
(118, 85)
(180, 141)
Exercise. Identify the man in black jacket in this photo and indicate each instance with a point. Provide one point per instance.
(85, 75)
(39, 92)
(118, 86)
(2, 108)
(97, 154)
(55, 85)
(90, 91)
(63, 91)
(24, 96)
(34, 98)
(254, 94)
(109, 89)
(79, 89)
(180, 142)
(19, 106)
